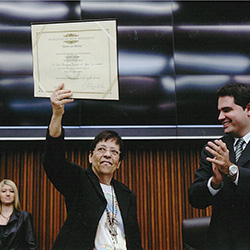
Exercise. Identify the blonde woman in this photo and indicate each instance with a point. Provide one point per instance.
(16, 230)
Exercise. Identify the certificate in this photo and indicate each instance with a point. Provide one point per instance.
(82, 55)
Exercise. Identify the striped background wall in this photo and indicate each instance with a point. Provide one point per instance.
(159, 174)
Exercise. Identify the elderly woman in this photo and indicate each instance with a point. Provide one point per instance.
(16, 230)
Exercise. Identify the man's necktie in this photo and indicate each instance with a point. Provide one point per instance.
(239, 148)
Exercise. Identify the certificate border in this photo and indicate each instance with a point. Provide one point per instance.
(103, 95)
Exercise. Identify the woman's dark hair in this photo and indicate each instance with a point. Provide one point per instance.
(107, 135)
(240, 92)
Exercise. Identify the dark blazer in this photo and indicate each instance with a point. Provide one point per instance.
(230, 222)
(19, 233)
(85, 201)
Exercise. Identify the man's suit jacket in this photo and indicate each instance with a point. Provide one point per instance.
(85, 201)
(230, 222)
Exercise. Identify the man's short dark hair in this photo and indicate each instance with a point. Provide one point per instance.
(107, 135)
(240, 92)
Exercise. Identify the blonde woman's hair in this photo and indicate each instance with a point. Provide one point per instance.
(14, 187)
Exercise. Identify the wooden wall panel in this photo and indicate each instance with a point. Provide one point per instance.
(159, 176)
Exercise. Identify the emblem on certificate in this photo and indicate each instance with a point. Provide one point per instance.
(81, 54)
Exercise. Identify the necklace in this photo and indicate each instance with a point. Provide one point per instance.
(7, 218)
(111, 219)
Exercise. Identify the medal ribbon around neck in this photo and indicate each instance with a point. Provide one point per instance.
(112, 217)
